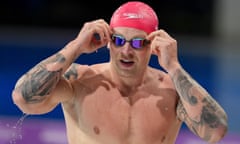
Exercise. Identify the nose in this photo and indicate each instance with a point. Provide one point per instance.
(127, 48)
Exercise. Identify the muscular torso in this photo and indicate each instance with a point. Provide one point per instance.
(101, 114)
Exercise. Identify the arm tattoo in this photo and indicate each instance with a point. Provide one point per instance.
(208, 113)
(39, 82)
(211, 114)
(183, 85)
(71, 73)
(194, 125)
(182, 114)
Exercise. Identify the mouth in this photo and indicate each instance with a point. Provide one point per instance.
(126, 63)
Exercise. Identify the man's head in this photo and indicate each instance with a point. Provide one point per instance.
(135, 14)
(129, 51)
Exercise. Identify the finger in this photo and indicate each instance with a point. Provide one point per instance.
(98, 32)
(155, 47)
(108, 31)
(105, 27)
(151, 36)
(159, 33)
(103, 35)
(103, 30)
(154, 52)
(158, 43)
(96, 36)
(164, 34)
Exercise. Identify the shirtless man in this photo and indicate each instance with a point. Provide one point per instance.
(123, 101)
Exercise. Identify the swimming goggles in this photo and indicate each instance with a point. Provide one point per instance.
(136, 43)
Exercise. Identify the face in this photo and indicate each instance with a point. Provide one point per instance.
(129, 51)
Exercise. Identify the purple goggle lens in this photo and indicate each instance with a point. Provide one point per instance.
(136, 43)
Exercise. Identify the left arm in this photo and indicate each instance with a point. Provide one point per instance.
(202, 114)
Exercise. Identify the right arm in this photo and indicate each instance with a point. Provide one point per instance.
(35, 91)
(43, 87)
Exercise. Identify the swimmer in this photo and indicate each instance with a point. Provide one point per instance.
(123, 101)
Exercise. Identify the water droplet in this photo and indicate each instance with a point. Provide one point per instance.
(17, 130)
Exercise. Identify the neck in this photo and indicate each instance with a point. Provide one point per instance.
(127, 84)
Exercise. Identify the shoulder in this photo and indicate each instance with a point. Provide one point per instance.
(161, 76)
(75, 70)
(78, 71)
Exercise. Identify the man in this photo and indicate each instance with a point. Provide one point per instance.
(124, 101)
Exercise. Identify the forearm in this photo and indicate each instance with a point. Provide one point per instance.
(37, 83)
(204, 114)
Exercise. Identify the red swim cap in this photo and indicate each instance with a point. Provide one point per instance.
(137, 15)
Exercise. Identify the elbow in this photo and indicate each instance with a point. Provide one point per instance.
(17, 98)
(22, 104)
(219, 132)
(218, 135)
(37, 107)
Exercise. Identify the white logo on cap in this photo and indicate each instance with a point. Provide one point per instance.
(132, 16)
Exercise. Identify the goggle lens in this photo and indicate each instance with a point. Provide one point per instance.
(136, 43)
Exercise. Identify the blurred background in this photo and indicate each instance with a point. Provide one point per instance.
(207, 31)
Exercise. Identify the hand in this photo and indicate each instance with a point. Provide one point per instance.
(93, 35)
(165, 47)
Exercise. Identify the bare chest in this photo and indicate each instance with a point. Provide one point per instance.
(106, 115)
